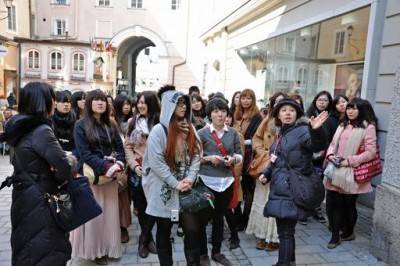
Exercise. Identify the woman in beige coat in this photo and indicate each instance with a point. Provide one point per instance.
(264, 228)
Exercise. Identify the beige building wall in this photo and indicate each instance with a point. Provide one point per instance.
(9, 64)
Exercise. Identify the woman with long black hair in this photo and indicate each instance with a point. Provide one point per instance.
(123, 111)
(357, 130)
(140, 125)
(99, 145)
(78, 103)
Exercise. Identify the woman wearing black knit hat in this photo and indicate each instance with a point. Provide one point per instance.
(291, 152)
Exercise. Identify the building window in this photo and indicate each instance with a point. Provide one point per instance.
(136, 4)
(33, 60)
(104, 3)
(60, 26)
(78, 63)
(12, 20)
(60, 2)
(175, 4)
(289, 44)
(56, 61)
(339, 42)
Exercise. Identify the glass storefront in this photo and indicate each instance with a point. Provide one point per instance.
(324, 56)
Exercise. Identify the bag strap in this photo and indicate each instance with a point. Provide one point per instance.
(221, 148)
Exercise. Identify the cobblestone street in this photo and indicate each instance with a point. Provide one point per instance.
(311, 241)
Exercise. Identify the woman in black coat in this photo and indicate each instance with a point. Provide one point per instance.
(40, 165)
(294, 146)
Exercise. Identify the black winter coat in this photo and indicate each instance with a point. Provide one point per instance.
(297, 143)
(64, 129)
(35, 238)
(93, 155)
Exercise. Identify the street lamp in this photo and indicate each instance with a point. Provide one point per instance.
(8, 4)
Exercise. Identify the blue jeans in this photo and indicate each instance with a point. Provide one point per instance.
(286, 229)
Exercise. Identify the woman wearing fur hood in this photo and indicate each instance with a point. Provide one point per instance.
(294, 145)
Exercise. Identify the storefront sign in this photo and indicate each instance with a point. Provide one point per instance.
(3, 50)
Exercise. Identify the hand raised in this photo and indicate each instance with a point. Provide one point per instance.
(317, 122)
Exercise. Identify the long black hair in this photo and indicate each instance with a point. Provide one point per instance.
(119, 103)
(335, 102)
(232, 108)
(77, 96)
(90, 121)
(201, 113)
(365, 113)
(313, 110)
(36, 99)
(153, 110)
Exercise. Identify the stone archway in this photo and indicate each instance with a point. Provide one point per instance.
(129, 43)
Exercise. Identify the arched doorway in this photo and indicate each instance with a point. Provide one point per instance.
(141, 62)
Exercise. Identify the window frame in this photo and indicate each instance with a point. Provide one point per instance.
(12, 18)
(55, 2)
(33, 51)
(134, 4)
(56, 63)
(175, 5)
(110, 3)
(55, 26)
(78, 53)
(341, 42)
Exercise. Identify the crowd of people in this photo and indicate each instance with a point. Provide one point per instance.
(151, 151)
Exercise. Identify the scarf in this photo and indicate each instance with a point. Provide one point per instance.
(343, 177)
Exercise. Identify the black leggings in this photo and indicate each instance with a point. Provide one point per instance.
(287, 244)
(146, 221)
(248, 186)
(342, 213)
(191, 226)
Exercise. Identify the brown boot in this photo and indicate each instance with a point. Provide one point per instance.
(143, 249)
(272, 246)
(205, 260)
(261, 244)
(152, 247)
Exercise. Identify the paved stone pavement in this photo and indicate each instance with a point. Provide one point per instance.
(311, 243)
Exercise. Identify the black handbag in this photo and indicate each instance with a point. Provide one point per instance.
(197, 198)
(73, 205)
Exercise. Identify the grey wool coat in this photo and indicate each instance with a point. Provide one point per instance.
(159, 183)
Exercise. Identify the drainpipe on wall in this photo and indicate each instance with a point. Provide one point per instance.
(186, 50)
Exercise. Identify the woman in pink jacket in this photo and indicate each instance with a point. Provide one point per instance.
(358, 128)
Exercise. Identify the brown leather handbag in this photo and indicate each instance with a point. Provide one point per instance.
(258, 165)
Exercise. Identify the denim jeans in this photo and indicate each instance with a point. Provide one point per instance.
(286, 229)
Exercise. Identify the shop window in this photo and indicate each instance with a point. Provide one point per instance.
(136, 4)
(78, 64)
(56, 61)
(175, 4)
(12, 20)
(33, 59)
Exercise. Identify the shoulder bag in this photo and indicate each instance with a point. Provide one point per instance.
(73, 205)
(366, 171)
